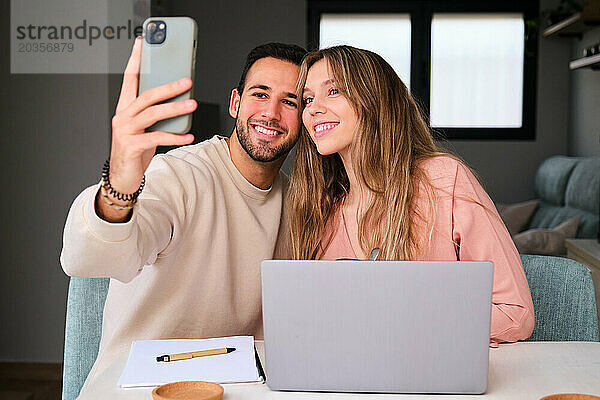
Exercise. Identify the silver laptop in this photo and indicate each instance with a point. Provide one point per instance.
(377, 326)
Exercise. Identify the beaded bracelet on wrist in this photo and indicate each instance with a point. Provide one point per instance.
(110, 203)
(131, 197)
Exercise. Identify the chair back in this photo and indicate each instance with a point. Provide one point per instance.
(563, 297)
(83, 328)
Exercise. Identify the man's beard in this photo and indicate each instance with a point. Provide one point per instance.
(261, 153)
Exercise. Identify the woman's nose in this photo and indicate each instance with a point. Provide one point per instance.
(316, 107)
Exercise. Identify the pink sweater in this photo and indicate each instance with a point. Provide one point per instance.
(479, 234)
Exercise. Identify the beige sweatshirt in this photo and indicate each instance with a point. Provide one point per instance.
(187, 264)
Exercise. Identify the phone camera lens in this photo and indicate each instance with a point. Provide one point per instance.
(156, 32)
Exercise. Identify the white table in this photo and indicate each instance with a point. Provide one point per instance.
(526, 370)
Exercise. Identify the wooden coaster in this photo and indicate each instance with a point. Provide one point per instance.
(188, 390)
(570, 396)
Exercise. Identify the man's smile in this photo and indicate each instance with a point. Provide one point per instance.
(262, 130)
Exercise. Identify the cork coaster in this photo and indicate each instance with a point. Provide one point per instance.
(570, 396)
(188, 390)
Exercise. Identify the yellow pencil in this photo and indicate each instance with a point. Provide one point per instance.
(193, 354)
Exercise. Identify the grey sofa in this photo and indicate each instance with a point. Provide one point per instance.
(568, 187)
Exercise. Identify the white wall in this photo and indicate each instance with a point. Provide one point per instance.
(584, 127)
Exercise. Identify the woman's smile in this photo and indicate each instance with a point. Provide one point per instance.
(323, 128)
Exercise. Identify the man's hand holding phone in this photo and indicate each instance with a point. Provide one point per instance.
(132, 147)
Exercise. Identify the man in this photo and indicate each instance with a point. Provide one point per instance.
(185, 259)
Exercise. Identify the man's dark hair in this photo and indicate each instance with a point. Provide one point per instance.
(281, 51)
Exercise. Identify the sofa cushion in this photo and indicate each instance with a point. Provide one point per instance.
(588, 226)
(552, 177)
(516, 216)
(546, 241)
(567, 187)
(548, 216)
(583, 189)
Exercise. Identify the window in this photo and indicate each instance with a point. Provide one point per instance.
(476, 70)
(467, 62)
(371, 31)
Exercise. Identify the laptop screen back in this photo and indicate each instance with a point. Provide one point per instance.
(377, 326)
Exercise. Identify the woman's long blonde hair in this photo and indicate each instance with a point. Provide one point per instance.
(392, 138)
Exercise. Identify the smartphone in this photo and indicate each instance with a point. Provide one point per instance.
(168, 54)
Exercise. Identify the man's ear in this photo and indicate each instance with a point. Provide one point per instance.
(234, 103)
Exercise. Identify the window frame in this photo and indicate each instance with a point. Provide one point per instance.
(421, 14)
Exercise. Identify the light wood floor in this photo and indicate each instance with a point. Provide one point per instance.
(30, 381)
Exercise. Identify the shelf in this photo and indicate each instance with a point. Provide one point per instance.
(567, 27)
(591, 61)
(577, 23)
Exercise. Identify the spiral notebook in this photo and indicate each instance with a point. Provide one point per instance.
(142, 369)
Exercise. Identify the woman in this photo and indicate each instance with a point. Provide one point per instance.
(368, 174)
